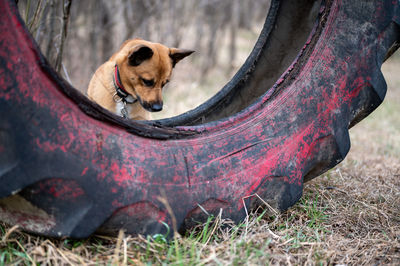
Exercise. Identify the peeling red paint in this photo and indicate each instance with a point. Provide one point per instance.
(96, 170)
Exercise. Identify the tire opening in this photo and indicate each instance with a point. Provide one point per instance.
(287, 27)
(285, 31)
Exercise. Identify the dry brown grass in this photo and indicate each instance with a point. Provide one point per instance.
(349, 216)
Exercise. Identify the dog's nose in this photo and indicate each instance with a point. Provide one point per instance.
(156, 107)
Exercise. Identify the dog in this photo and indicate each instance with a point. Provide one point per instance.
(130, 83)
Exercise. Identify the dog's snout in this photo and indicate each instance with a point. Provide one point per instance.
(156, 107)
(152, 107)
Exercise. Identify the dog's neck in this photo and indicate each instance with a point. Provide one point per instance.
(120, 90)
(121, 97)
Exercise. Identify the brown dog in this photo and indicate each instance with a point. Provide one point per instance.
(130, 83)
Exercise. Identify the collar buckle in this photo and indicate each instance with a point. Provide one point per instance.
(117, 98)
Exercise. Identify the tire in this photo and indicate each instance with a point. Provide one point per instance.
(69, 168)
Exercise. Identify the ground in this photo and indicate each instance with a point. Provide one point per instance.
(349, 216)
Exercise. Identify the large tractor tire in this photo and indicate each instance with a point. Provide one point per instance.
(70, 168)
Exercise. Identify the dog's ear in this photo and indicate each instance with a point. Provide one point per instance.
(178, 54)
(140, 54)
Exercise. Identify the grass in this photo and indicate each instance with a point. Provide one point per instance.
(349, 216)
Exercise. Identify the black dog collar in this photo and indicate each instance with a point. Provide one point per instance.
(120, 90)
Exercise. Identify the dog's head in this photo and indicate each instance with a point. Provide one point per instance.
(145, 68)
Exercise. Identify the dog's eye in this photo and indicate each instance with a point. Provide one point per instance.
(148, 82)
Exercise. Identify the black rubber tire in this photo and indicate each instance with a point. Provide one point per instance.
(69, 167)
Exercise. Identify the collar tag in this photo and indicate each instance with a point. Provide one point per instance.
(124, 111)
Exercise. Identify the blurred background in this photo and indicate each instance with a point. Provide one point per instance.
(78, 36)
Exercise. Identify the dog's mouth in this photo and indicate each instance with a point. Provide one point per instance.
(150, 106)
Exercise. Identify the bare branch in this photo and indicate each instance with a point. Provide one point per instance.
(35, 16)
(64, 28)
(28, 6)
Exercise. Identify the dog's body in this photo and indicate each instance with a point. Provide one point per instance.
(130, 82)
